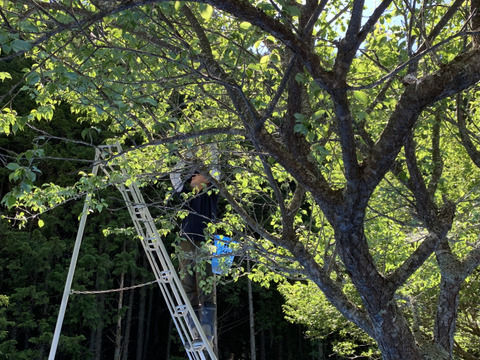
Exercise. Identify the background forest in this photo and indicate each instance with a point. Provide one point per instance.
(346, 133)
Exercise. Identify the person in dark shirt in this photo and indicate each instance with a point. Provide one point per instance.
(202, 210)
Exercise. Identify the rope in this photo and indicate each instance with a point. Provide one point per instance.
(112, 290)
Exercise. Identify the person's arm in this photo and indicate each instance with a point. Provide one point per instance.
(176, 178)
(215, 173)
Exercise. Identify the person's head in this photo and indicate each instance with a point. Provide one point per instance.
(199, 181)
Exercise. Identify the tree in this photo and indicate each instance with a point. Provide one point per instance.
(346, 133)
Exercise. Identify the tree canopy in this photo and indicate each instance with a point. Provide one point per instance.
(345, 133)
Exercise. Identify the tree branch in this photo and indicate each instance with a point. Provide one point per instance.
(413, 263)
(460, 74)
(353, 38)
(437, 160)
(308, 28)
(247, 12)
(425, 206)
(467, 143)
(471, 261)
(347, 139)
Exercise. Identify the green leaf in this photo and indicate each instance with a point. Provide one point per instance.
(299, 116)
(71, 75)
(206, 11)
(20, 45)
(13, 166)
(32, 78)
(293, 11)
(275, 58)
(300, 128)
(301, 78)
(9, 200)
(150, 101)
(264, 59)
(4, 75)
(318, 114)
(28, 26)
(361, 96)
(41, 223)
(362, 115)
(245, 25)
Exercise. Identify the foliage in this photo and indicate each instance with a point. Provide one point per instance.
(346, 137)
(307, 305)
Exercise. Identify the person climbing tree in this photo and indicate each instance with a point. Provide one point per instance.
(201, 205)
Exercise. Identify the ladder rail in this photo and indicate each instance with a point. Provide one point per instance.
(71, 272)
(159, 259)
(151, 243)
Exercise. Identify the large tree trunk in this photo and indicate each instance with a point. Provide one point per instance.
(391, 330)
(453, 275)
(447, 309)
(141, 312)
(393, 335)
(91, 343)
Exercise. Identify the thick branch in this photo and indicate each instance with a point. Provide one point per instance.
(354, 37)
(296, 104)
(204, 43)
(413, 263)
(452, 10)
(428, 40)
(331, 290)
(373, 19)
(347, 138)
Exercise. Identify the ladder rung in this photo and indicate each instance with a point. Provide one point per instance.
(140, 213)
(166, 276)
(180, 311)
(151, 245)
(151, 241)
(197, 345)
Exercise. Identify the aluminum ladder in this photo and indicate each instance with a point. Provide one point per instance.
(158, 257)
